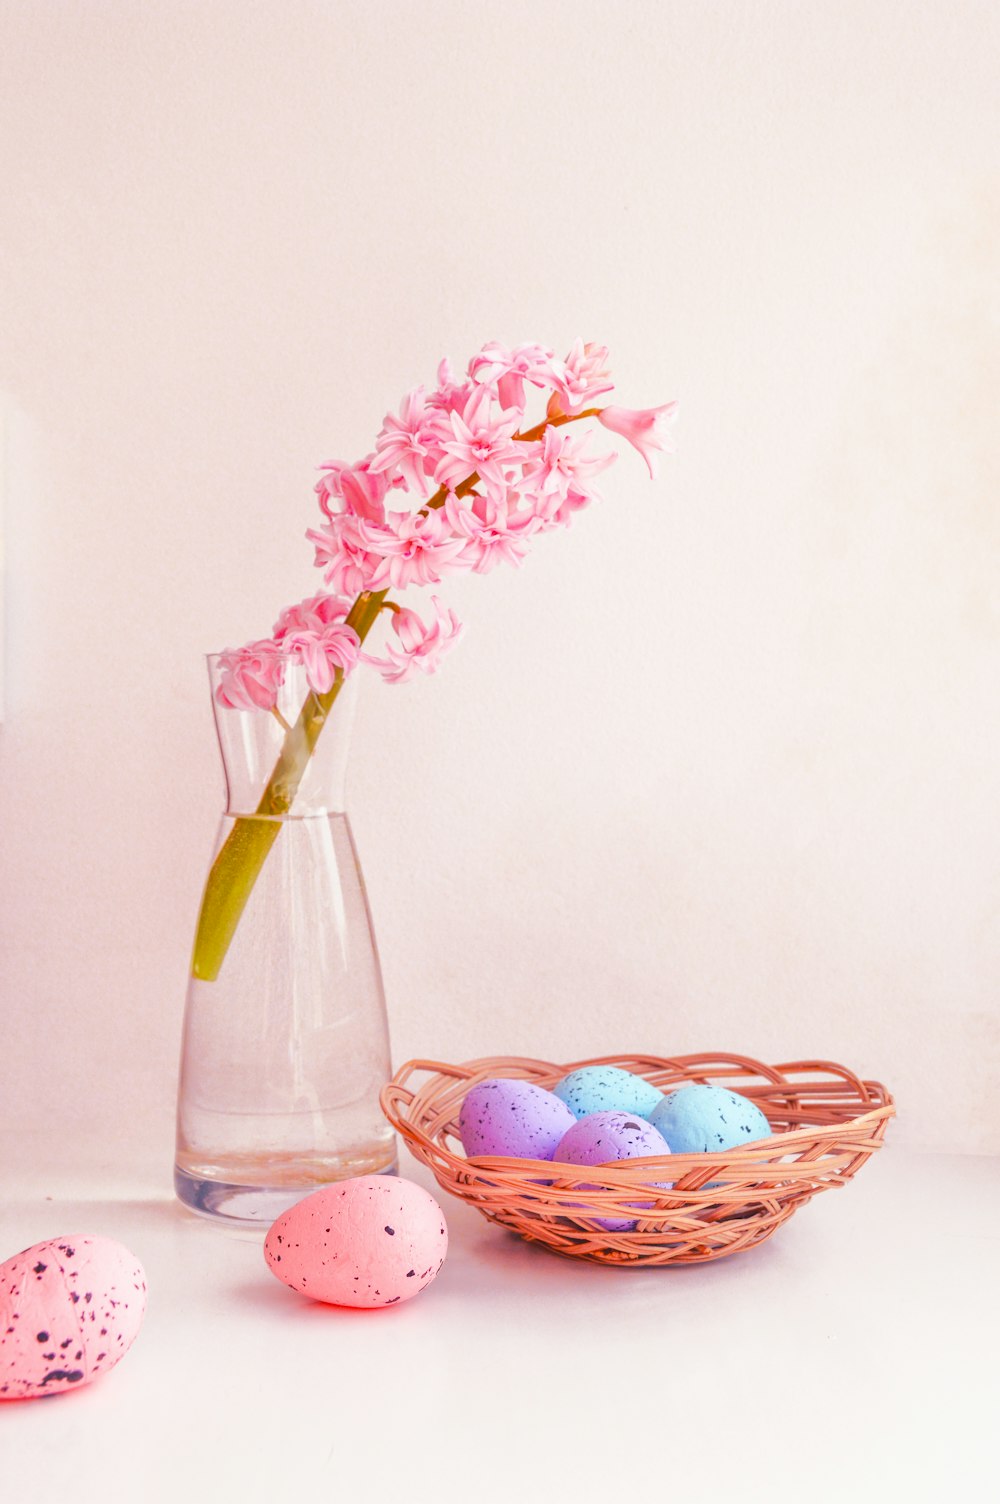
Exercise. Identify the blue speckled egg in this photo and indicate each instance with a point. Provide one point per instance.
(513, 1118)
(707, 1119)
(605, 1088)
(606, 1136)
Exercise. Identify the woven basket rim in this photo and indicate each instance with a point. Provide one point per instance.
(784, 1142)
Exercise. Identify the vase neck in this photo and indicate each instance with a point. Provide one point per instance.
(290, 762)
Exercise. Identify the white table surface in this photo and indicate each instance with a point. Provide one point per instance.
(852, 1357)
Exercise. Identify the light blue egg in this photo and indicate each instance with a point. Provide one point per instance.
(606, 1088)
(708, 1119)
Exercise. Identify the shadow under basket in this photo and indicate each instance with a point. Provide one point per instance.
(826, 1124)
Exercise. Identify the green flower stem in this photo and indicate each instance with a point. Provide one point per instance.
(244, 851)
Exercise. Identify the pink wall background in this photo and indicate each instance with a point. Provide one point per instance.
(718, 768)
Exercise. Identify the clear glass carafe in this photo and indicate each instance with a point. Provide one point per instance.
(285, 1045)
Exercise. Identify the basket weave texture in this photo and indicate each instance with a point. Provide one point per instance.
(826, 1124)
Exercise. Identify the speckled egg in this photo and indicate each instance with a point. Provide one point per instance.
(702, 1119)
(512, 1118)
(606, 1088)
(606, 1136)
(374, 1241)
(70, 1309)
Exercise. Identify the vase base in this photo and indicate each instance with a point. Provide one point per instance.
(240, 1205)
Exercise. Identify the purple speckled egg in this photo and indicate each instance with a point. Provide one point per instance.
(512, 1118)
(603, 1137)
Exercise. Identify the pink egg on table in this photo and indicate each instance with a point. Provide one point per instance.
(374, 1241)
(70, 1308)
(603, 1137)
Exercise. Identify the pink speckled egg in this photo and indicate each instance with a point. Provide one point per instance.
(70, 1308)
(373, 1241)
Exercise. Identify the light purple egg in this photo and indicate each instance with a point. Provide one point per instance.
(603, 1137)
(513, 1118)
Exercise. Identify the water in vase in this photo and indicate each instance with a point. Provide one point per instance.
(285, 1045)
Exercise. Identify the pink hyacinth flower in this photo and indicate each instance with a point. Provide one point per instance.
(311, 615)
(344, 553)
(508, 370)
(577, 497)
(495, 532)
(474, 441)
(413, 548)
(585, 377)
(421, 647)
(353, 488)
(250, 677)
(556, 466)
(647, 429)
(405, 443)
(323, 652)
(450, 395)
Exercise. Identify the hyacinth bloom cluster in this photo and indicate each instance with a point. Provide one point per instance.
(459, 479)
(314, 632)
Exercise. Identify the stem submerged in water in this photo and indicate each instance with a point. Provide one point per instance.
(244, 851)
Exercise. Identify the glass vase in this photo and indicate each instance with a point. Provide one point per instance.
(285, 1044)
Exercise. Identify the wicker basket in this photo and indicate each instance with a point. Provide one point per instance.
(826, 1121)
